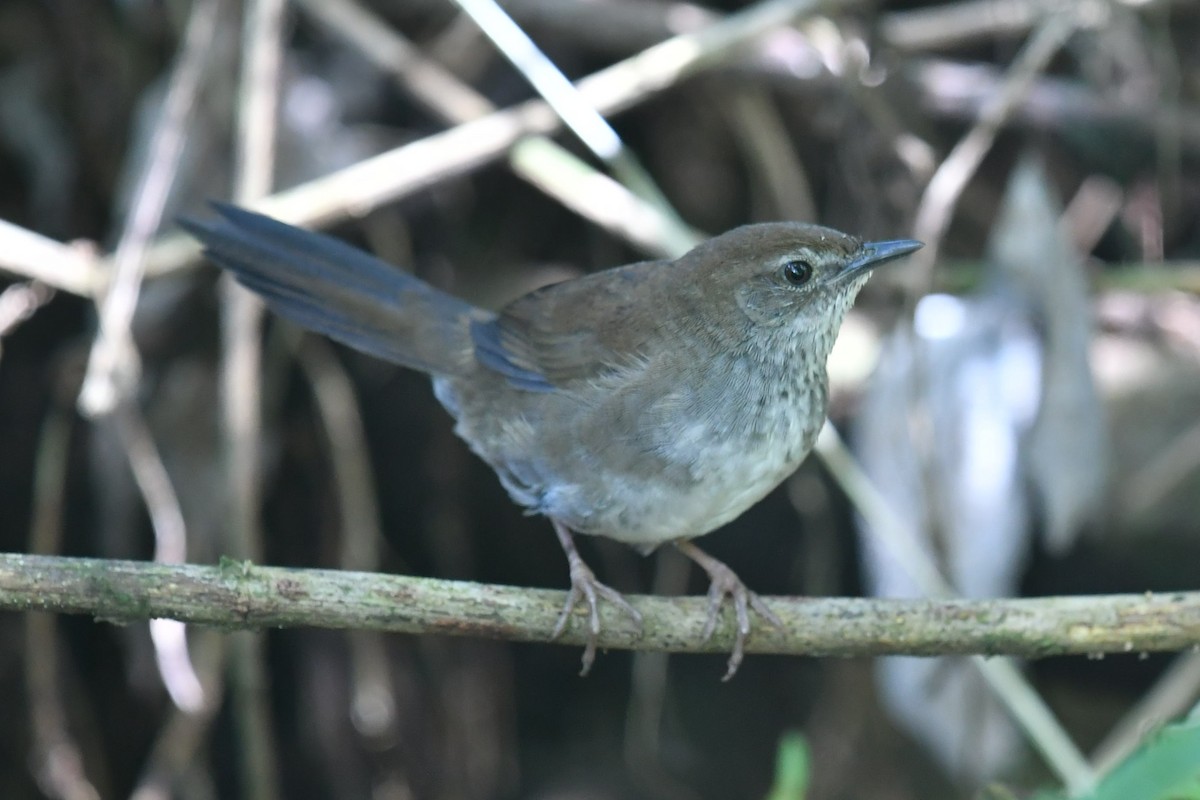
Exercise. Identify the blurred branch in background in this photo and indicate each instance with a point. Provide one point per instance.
(357, 189)
(959, 166)
(1174, 693)
(592, 129)
(539, 159)
(20, 302)
(114, 366)
(970, 21)
(56, 757)
(26, 253)
(242, 390)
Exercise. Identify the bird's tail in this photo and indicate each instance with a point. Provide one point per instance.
(330, 287)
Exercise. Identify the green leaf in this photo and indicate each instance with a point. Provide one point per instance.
(1165, 767)
(791, 769)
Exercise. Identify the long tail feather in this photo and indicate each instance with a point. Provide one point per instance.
(327, 286)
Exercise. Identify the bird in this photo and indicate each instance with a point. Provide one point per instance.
(649, 403)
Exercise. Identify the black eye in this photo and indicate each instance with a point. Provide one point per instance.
(797, 272)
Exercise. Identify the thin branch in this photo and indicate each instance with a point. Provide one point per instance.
(964, 23)
(183, 734)
(114, 363)
(574, 110)
(537, 159)
(546, 78)
(436, 87)
(1176, 690)
(239, 595)
(241, 387)
(600, 199)
(404, 170)
(767, 147)
(170, 546)
(55, 757)
(1037, 720)
(959, 90)
(32, 255)
(114, 366)
(955, 172)
(337, 409)
(1006, 681)
(19, 302)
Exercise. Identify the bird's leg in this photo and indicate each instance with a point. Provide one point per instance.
(725, 583)
(585, 588)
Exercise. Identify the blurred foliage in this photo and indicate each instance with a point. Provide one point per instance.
(1164, 767)
(792, 766)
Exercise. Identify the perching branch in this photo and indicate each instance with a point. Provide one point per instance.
(236, 595)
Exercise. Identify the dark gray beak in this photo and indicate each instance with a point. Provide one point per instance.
(872, 254)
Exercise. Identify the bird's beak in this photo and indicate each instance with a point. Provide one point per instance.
(872, 254)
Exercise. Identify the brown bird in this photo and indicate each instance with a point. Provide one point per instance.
(648, 403)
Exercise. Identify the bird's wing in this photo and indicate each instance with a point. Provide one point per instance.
(579, 330)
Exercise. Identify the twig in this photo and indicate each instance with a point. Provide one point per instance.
(648, 683)
(576, 113)
(955, 90)
(1091, 210)
(19, 302)
(362, 186)
(613, 26)
(241, 387)
(29, 254)
(1038, 722)
(944, 189)
(1168, 145)
(537, 159)
(970, 21)
(766, 144)
(883, 522)
(554, 87)
(428, 81)
(373, 702)
(1005, 680)
(599, 198)
(1172, 694)
(55, 756)
(183, 733)
(239, 595)
(113, 364)
(170, 547)
(1164, 472)
(349, 456)
(932, 220)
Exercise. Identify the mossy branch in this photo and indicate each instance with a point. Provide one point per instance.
(236, 595)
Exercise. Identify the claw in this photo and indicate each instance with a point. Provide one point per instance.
(585, 589)
(726, 584)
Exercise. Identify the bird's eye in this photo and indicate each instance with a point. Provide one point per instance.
(797, 272)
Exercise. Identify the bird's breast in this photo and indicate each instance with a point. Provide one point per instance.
(735, 456)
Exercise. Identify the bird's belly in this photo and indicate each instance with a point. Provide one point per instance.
(742, 479)
(723, 478)
(645, 480)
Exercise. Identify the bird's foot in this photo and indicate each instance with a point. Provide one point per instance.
(586, 589)
(725, 584)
